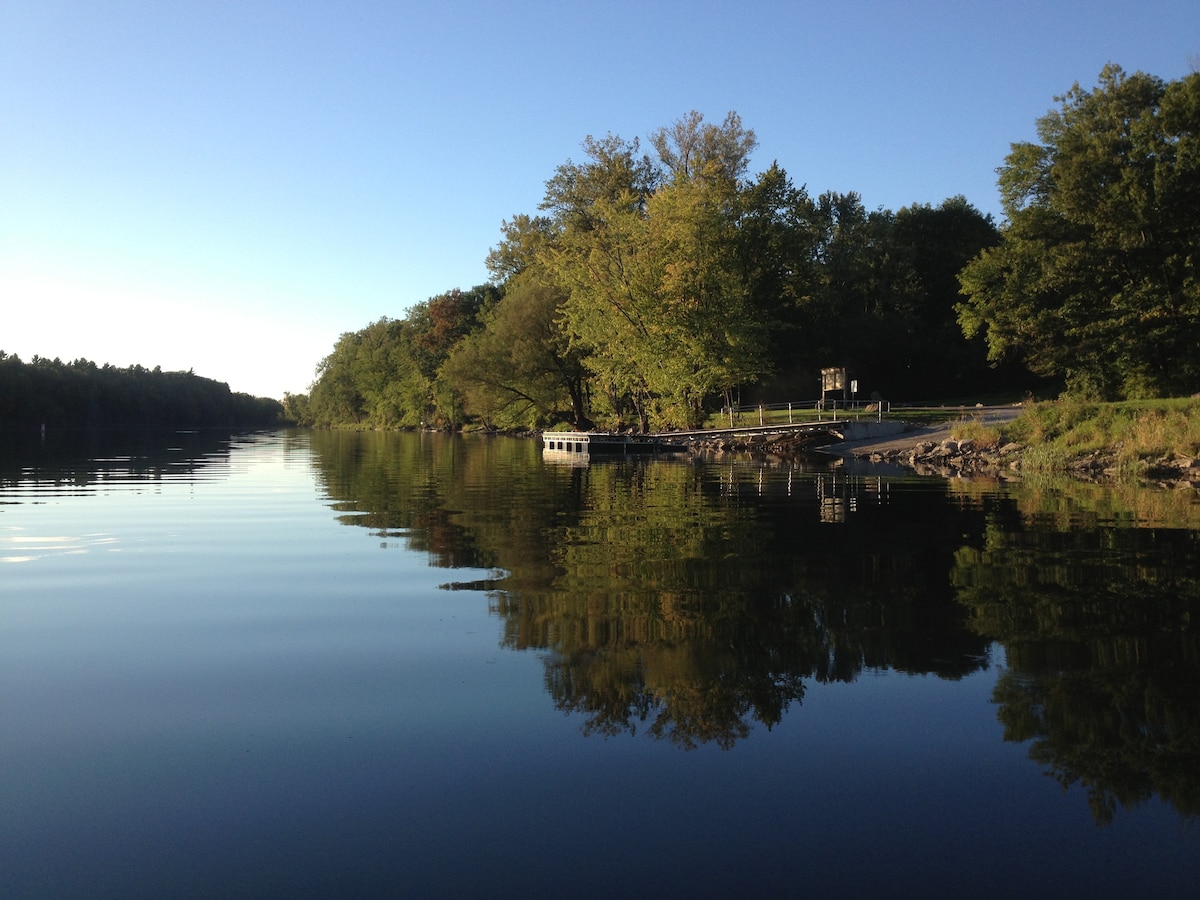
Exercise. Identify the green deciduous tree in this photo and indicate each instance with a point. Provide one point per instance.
(922, 349)
(656, 298)
(702, 309)
(777, 235)
(692, 149)
(520, 370)
(652, 288)
(1096, 278)
(388, 374)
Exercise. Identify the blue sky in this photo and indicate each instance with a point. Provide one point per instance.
(228, 185)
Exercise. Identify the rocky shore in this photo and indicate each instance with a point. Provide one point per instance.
(948, 457)
(931, 450)
(951, 458)
(778, 445)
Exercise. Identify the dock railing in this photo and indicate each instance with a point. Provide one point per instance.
(764, 414)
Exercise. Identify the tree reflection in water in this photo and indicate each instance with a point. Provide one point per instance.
(693, 601)
(687, 601)
(1098, 619)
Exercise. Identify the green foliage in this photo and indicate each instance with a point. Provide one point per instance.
(1096, 278)
(691, 150)
(388, 375)
(519, 370)
(81, 394)
(875, 291)
(1060, 432)
(685, 288)
(652, 291)
(777, 241)
(657, 301)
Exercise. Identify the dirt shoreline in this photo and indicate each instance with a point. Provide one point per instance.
(932, 450)
(916, 435)
(899, 446)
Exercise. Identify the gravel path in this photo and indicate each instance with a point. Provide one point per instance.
(916, 434)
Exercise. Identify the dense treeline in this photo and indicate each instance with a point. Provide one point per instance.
(651, 289)
(81, 394)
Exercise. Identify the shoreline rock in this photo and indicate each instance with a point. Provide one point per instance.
(789, 447)
(950, 458)
(953, 459)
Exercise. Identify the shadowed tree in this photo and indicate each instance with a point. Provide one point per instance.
(520, 369)
(1096, 279)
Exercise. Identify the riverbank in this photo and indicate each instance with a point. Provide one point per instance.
(893, 438)
(953, 458)
(1154, 441)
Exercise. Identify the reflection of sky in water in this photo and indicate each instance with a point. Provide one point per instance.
(17, 548)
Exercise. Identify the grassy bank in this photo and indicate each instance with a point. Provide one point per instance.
(1132, 435)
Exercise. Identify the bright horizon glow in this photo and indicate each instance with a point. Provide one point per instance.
(227, 187)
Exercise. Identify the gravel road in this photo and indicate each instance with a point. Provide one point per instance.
(916, 434)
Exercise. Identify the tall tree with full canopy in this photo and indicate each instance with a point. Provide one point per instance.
(520, 370)
(647, 255)
(692, 149)
(712, 339)
(1096, 278)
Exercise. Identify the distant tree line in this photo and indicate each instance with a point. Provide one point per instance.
(81, 394)
(651, 289)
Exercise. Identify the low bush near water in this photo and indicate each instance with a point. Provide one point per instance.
(1059, 431)
(974, 429)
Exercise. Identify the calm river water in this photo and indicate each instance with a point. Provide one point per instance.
(316, 664)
